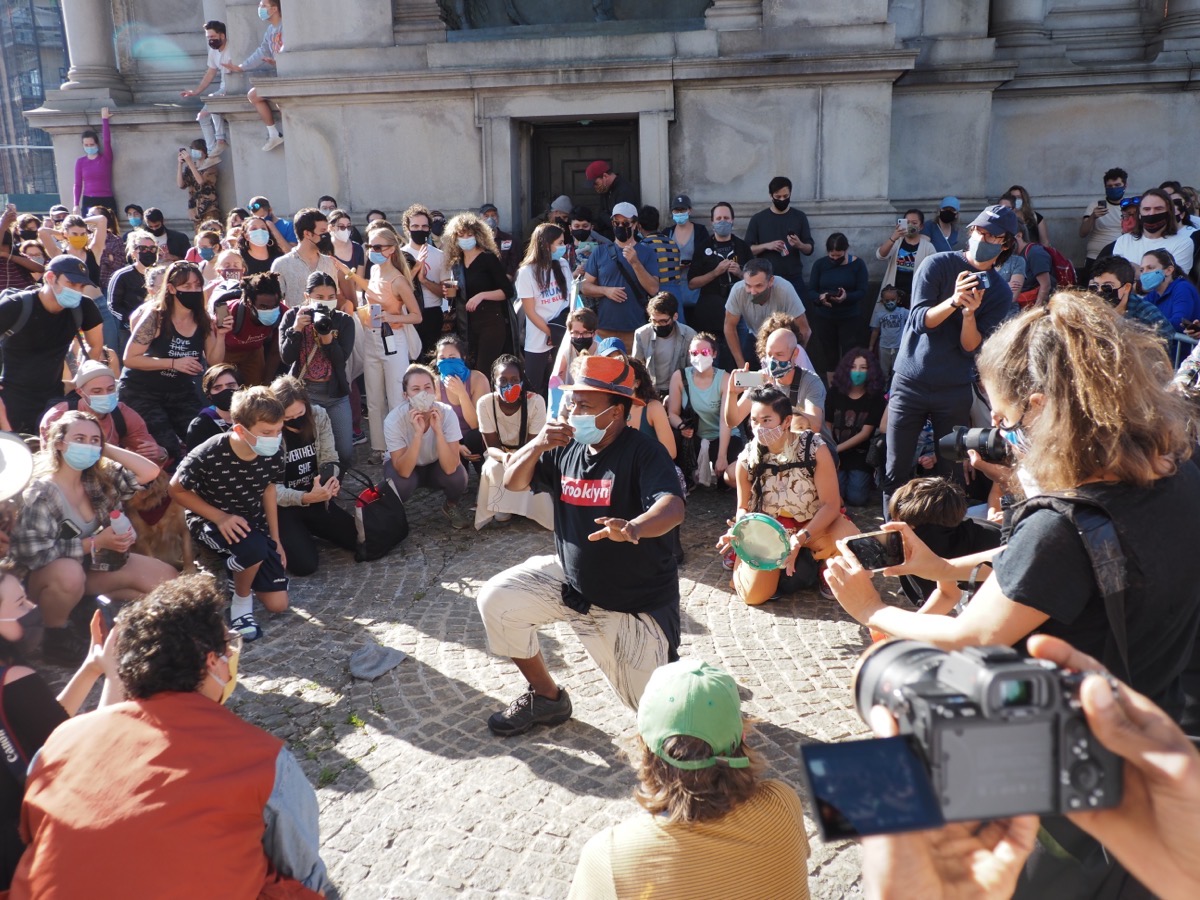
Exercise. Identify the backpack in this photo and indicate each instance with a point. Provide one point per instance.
(1063, 269)
(379, 518)
(27, 296)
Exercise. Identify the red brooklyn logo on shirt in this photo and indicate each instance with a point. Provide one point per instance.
(586, 492)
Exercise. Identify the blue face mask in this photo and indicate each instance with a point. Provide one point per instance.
(453, 368)
(377, 258)
(266, 446)
(467, 243)
(91, 151)
(722, 229)
(680, 218)
(207, 253)
(135, 221)
(69, 298)
(259, 237)
(1113, 194)
(264, 13)
(558, 252)
(267, 316)
(1151, 280)
(780, 367)
(196, 155)
(586, 429)
(858, 378)
(81, 456)
(103, 404)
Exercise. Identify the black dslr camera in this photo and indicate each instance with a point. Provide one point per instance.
(322, 320)
(985, 734)
(989, 443)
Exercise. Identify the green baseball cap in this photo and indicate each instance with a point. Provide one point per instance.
(690, 698)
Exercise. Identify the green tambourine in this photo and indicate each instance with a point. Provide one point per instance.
(761, 542)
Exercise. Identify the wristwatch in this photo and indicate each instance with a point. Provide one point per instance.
(807, 535)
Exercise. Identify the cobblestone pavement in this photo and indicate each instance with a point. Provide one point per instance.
(418, 799)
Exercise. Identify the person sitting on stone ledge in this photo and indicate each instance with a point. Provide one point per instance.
(262, 63)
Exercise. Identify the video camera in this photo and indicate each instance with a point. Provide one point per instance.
(989, 443)
(985, 734)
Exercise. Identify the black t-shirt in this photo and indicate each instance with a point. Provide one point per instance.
(258, 266)
(709, 311)
(207, 424)
(33, 358)
(623, 480)
(767, 226)
(848, 416)
(300, 462)
(1045, 566)
(220, 477)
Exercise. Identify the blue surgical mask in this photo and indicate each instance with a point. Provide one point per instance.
(264, 13)
(259, 237)
(858, 378)
(377, 258)
(586, 429)
(453, 368)
(267, 316)
(1018, 438)
(780, 367)
(69, 298)
(467, 243)
(680, 218)
(558, 252)
(1113, 194)
(81, 457)
(103, 404)
(196, 155)
(135, 221)
(980, 250)
(266, 446)
(91, 151)
(207, 253)
(722, 229)
(889, 305)
(1151, 280)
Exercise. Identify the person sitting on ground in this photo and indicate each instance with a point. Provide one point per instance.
(580, 338)
(423, 441)
(1164, 285)
(1113, 280)
(663, 343)
(652, 419)
(694, 406)
(219, 384)
(127, 287)
(255, 310)
(613, 578)
(199, 784)
(853, 410)
(709, 809)
(96, 393)
(307, 498)
(64, 538)
(791, 477)
(461, 387)
(227, 486)
(509, 418)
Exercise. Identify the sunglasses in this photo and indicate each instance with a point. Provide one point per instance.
(379, 248)
(1130, 201)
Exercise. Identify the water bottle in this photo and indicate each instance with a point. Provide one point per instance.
(111, 560)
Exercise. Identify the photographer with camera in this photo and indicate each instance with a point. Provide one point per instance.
(315, 340)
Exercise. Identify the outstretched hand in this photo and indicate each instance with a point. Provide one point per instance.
(620, 530)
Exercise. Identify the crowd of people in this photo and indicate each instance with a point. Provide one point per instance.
(588, 375)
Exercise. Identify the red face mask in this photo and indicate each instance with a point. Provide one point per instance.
(1128, 223)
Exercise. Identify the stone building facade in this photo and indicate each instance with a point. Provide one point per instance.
(869, 106)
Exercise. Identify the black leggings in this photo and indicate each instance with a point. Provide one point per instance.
(167, 413)
(299, 526)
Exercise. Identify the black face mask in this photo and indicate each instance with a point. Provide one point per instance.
(223, 400)
(29, 235)
(581, 234)
(781, 205)
(581, 343)
(1155, 221)
(148, 257)
(297, 425)
(664, 330)
(947, 215)
(325, 245)
(156, 230)
(437, 226)
(419, 237)
(215, 43)
(193, 300)
(622, 232)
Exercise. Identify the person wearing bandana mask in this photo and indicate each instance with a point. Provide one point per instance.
(663, 343)
(313, 253)
(174, 747)
(613, 577)
(509, 418)
(958, 300)
(942, 229)
(1155, 229)
(95, 392)
(173, 341)
(780, 234)
(219, 384)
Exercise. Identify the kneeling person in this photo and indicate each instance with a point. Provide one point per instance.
(613, 577)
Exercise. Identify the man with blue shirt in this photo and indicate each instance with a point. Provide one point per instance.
(958, 300)
(943, 229)
(620, 278)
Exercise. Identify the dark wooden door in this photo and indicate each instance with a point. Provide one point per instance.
(562, 151)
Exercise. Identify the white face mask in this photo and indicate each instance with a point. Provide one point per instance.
(422, 401)
(341, 234)
(330, 305)
(701, 363)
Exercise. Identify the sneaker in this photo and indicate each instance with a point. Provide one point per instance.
(360, 437)
(272, 143)
(459, 516)
(823, 587)
(528, 710)
(63, 647)
(727, 560)
(247, 626)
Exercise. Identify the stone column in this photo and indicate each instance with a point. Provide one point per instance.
(89, 28)
(654, 157)
(1020, 30)
(418, 22)
(733, 15)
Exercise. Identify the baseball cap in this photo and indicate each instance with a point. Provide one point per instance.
(681, 201)
(595, 170)
(605, 375)
(562, 204)
(91, 368)
(628, 210)
(70, 268)
(996, 221)
(690, 698)
(487, 208)
(16, 465)
(952, 202)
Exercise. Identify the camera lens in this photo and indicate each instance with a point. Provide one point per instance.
(889, 666)
(989, 443)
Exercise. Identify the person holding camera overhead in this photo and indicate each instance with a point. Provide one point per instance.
(315, 340)
(957, 302)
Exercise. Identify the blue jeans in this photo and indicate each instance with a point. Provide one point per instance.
(342, 421)
(855, 485)
(112, 328)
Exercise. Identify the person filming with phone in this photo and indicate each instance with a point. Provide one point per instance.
(1118, 444)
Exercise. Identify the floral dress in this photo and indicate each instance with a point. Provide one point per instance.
(202, 197)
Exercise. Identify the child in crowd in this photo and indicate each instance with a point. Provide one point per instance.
(887, 324)
(227, 485)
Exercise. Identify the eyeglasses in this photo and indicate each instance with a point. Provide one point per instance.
(583, 334)
(379, 248)
(1131, 201)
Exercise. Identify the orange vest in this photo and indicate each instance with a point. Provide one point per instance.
(153, 798)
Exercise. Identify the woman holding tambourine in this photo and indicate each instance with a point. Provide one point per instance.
(789, 512)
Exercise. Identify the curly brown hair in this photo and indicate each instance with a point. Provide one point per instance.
(470, 223)
(694, 795)
(166, 636)
(779, 321)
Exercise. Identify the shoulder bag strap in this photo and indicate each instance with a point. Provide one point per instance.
(14, 757)
(639, 292)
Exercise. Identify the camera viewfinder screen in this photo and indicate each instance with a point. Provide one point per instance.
(876, 786)
(1016, 692)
